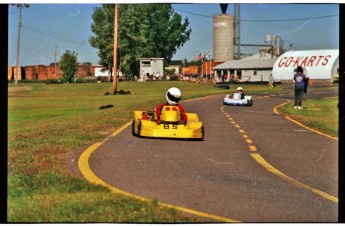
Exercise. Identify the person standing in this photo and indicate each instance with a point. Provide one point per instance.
(271, 82)
(299, 80)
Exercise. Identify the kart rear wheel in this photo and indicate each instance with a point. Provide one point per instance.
(139, 129)
(133, 128)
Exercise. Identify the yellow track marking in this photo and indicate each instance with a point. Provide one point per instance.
(300, 124)
(84, 167)
(273, 170)
(312, 109)
(306, 127)
(249, 141)
(237, 126)
(276, 172)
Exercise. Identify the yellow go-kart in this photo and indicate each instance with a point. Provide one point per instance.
(145, 125)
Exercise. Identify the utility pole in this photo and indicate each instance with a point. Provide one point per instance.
(18, 41)
(116, 27)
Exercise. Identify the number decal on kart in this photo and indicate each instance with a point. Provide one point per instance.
(166, 126)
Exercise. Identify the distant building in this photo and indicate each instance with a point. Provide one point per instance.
(175, 65)
(46, 72)
(150, 67)
(191, 70)
(246, 70)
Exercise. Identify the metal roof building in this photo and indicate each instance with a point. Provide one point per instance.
(245, 70)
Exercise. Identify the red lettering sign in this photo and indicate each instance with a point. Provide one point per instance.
(326, 60)
(281, 63)
(306, 61)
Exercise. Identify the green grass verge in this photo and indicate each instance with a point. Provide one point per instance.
(318, 114)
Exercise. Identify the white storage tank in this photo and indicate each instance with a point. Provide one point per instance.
(223, 37)
(319, 65)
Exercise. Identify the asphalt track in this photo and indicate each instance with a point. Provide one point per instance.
(254, 165)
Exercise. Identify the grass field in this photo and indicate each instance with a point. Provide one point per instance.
(47, 121)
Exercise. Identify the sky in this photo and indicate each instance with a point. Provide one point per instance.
(49, 27)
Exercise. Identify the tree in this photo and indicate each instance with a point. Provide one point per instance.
(145, 30)
(69, 65)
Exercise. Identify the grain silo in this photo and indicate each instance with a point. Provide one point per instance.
(223, 37)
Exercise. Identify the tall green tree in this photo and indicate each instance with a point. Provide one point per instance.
(69, 65)
(145, 30)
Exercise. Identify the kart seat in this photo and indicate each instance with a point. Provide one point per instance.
(236, 96)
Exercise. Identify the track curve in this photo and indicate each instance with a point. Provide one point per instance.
(221, 175)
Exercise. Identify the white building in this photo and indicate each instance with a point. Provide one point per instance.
(150, 66)
(319, 65)
(251, 69)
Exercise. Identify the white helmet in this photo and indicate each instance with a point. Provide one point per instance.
(173, 95)
(239, 89)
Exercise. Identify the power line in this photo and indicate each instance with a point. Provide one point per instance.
(304, 46)
(56, 36)
(271, 20)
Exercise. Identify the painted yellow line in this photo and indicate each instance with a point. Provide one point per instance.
(84, 167)
(199, 98)
(300, 124)
(273, 170)
(237, 126)
(275, 109)
(249, 141)
(306, 127)
(312, 109)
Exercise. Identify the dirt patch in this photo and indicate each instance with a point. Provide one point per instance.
(17, 89)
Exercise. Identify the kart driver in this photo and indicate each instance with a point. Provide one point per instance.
(240, 91)
(172, 96)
